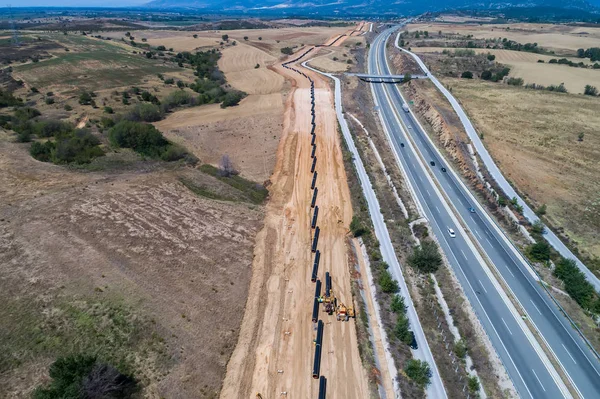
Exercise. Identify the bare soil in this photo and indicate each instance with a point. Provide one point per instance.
(275, 350)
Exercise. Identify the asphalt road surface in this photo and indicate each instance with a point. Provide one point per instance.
(527, 365)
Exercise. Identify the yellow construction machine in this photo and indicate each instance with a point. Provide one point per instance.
(344, 313)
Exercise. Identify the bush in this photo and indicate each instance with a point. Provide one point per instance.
(83, 376)
(8, 100)
(426, 257)
(287, 50)
(67, 107)
(176, 99)
(590, 90)
(146, 113)
(232, 98)
(467, 75)
(575, 282)
(515, 81)
(397, 305)
(357, 227)
(108, 110)
(79, 146)
(387, 283)
(418, 371)
(225, 37)
(486, 75)
(85, 98)
(42, 152)
(52, 128)
(49, 100)
(473, 384)
(402, 331)
(538, 227)
(540, 251)
(144, 139)
(460, 348)
(491, 57)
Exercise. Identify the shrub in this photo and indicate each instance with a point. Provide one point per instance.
(575, 282)
(79, 146)
(245, 37)
(357, 227)
(387, 283)
(49, 100)
(232, 98)
(169, 81)
(225, 37)
(83, 376)
(144, 139)
(541, 210)
(540, 251)
(145, 112)
(67, 107)
(52, 128)
(176, 99)
(42, 152)
(108, 110)
(8, 100)
(418, 371)
(473, 384)
(287, 50)
(590, 90)
(538, 227)
(426, 257)
(397, 305)
(486, 75)
(467, 75)
(460, 348)
(515, 81)
(491, 57)
(85, 98)
(402, 331)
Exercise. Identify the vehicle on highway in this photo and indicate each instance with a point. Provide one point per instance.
(443, 169)
(402, 145)
(405, 107)
(432, 163)
(472, 210)
(451, 232)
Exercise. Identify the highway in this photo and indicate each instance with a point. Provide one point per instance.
(528, 366)
(499, 177)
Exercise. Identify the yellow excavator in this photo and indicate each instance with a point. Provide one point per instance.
(344, 313)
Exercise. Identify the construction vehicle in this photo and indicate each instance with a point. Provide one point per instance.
(343, 312)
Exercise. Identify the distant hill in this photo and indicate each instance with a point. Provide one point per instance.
(356, 7)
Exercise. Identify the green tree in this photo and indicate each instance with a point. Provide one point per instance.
(473, 384)
(467, 75)
(491, 57)
(460, 348)
(287, 50)
(542, 210)
(145, 112)
(575, 283)
(387, 283)
(426, 257)
(397, 305)
(540, 251)
(538, 227)
(406, 78)
(418, 371)
(85, 98)
(357, 227)
(246, 38)
(486, 75)
(402, 330)
(232, 98)
(225, 38)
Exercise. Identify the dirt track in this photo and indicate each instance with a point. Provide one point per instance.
(277, 332)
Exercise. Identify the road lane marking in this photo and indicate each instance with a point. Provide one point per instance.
(506, 325)
(489, 242)
(538, 378)
(511, 273)
(428, 193)
(478, 235)
(536, 308)
(438, 209)
(463, 252)
(484, 288)
(568, 353)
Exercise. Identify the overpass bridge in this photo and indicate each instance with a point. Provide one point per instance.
(384, 78)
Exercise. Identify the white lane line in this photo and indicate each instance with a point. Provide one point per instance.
(438, 209)
(506, 325)
(478, 235)
(511, 273)
(482, 286)
(489, 242)
(465, 255)
(538, 378)
(569, 353)
(428, 193)
(536, 308)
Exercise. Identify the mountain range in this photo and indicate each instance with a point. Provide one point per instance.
(372, 7)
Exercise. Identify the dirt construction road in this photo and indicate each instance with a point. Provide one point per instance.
(275, 350)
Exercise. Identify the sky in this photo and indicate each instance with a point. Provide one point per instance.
(73, 3)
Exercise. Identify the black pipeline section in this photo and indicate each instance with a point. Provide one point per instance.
(313, 223)
(327, 284)
(314, 163)
(322, 387)
(315, 240)
(313, 152)
(318, 342)
(313, 277)
(315, 314)
(314, 198)
(313, 137)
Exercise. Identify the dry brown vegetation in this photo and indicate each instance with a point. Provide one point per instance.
(81, 248)
(533, 136)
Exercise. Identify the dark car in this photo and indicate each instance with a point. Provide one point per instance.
(443, 169)
(432, 163)
(402, 145)
(472, 210)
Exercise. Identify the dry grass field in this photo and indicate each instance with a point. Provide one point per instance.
(127, 264)
(526, 66)
(533, 135)
(335, 59)
(563, 39)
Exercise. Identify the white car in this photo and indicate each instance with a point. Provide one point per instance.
(451, 232)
